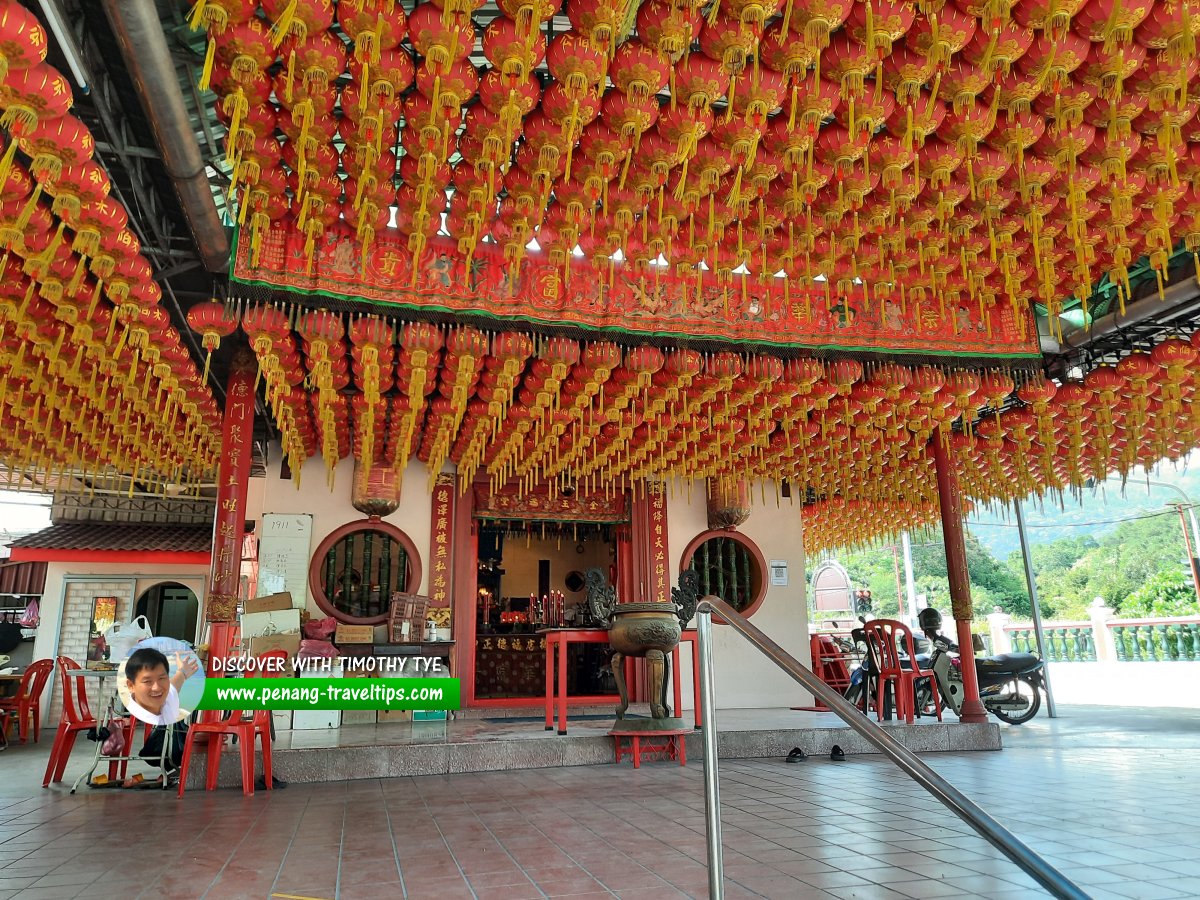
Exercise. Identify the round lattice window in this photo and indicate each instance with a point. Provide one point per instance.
(730, 566)
(357, 569)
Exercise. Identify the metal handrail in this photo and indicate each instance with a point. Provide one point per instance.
(958, 803)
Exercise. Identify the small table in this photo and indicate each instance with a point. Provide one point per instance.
(109, 711)
(557, 642)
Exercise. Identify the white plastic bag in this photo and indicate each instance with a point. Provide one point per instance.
(121, 638)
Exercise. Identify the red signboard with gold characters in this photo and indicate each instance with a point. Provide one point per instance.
(742, 309)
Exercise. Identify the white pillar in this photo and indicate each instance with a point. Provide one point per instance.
(1102, 636)
(1001, 639)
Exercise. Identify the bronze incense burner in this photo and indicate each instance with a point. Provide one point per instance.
(643, 630)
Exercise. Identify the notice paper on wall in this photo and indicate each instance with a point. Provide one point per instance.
(284, 547)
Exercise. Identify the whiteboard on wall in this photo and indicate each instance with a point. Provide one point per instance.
(283, 552)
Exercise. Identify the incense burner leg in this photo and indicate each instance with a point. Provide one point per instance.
(656, 670)
(618, 670)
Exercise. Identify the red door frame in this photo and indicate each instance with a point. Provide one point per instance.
(465, 587)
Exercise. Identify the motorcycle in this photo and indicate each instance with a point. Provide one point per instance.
(1010, 684)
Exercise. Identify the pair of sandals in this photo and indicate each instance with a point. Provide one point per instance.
(837, 754)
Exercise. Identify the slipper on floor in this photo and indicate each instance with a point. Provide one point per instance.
(837, 754)
(277, 784)
(796, 755)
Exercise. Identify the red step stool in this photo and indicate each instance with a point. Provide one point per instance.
(649, 742)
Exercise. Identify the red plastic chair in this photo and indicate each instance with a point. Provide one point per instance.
(26, 703)
(76, 717)
(241, 726)
(887, 636)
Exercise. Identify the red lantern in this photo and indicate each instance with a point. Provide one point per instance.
(575, 62)
(54, 143)
(373, 25)
(31, 95)
(638, 71)
(213, 322)
(1110, 21)
(598, 21)
(22, 39)
(668, 28)
(297, 18)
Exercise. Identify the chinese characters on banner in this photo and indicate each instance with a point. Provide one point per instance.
(439, 542)
(741, 309)
(233, 476)
(660, 588)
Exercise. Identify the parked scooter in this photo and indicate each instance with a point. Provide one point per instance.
(1010, 684)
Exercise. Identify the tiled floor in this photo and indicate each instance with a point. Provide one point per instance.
(1109, 796)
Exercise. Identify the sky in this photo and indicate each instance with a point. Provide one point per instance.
(22, 513)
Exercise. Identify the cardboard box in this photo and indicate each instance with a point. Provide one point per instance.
(269, 603)
(287, 642)
(395, 715)
(355, 634)
(358, 717)
(279, 621)
(311, 719)
(282, 718)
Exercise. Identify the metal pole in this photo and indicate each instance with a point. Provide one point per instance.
(1187, 543)
(899, 591)
(954, 799)
(1037, 608)
(712, 789)
(909, 582)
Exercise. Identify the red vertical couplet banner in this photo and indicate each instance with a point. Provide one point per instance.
(660, 581)
(648, 524)
(439, 543)
(233, 478)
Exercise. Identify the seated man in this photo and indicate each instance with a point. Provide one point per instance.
(153, 691)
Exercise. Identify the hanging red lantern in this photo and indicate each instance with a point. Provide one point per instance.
(213, 321)
(598, 21)
(727, 41)
(1109, 21)
(667, 27)
(638, 71)
(373, 25)
(55, 143)
(297, 18)
(29, 96)
(22, 39)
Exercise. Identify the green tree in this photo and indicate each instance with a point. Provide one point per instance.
(1072, 571)
(992, 582)
(1169, 593)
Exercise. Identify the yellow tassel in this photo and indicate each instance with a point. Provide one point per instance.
(283, 24)
(210, 55)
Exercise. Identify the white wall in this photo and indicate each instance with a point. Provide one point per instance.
(745, 679)
(331, 507)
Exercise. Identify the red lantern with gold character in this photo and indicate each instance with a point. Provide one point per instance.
(22, 39)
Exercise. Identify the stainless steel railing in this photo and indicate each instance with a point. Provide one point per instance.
(958, 803)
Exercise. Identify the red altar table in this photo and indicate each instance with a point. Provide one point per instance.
(557, 641)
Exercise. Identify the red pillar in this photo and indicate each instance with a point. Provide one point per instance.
(233, 478)
(950, 501)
